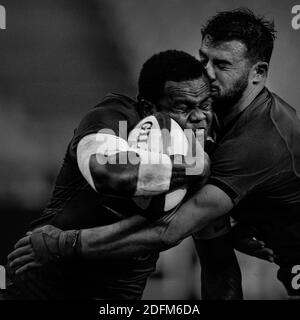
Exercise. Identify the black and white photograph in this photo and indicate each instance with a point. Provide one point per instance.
(150, 151)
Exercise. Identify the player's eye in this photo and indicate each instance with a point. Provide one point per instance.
(222, 65)
(206, 106)
(180, 108)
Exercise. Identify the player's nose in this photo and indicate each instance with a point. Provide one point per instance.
(197, 116)
(210, 71)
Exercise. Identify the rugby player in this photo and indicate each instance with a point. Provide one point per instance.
(89, 194)
(255, 172)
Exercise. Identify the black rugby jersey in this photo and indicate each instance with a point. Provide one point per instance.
(256, 162)
(76, 205)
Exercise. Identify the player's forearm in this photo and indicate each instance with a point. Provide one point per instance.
(133, 236)
(195, 214)
(120, 241)
(220, 272)
(130, 237)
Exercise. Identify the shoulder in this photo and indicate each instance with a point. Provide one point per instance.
(284, 116)
(115, 115)
(111, 109)
(255, 144)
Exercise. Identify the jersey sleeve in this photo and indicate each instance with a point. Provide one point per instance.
(242, 164)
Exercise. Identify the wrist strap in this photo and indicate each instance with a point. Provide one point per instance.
(70, 243)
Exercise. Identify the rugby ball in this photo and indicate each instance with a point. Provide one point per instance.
(159, 133)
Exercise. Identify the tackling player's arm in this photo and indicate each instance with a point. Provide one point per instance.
(128, 237)
(204, 207)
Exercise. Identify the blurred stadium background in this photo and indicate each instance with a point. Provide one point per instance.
(58, 58)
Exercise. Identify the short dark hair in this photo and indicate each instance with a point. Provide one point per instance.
(170, 65)
(257, 33)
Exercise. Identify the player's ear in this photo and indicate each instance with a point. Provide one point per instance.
(259, 72)
(147, 108)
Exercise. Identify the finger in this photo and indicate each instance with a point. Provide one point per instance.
(22, 242)
(28, 266)
(254, 244)
(265, 254)
(248, 245)
(268, 254)
(261, 243)
(18, 262)
(19, 252)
